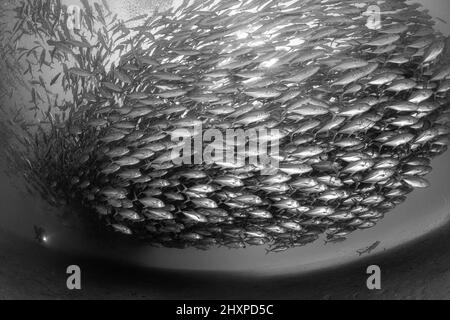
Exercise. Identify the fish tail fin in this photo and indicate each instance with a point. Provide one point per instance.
(108, 222)
(188, 198)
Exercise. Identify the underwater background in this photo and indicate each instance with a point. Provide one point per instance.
(26, 262)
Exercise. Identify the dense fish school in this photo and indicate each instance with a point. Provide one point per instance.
(360, 114)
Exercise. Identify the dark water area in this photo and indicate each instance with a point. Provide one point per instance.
(413, 249)
(407, 276)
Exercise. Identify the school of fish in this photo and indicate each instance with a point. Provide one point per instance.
(360, 112)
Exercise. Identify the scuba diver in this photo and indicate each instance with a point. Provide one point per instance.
(39, 234)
